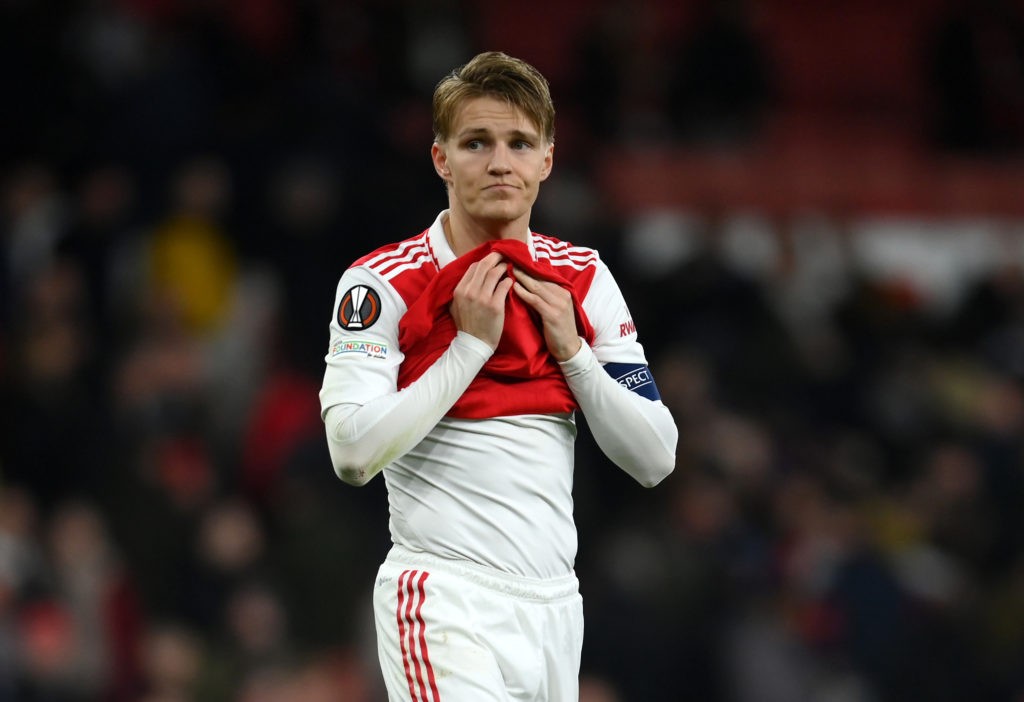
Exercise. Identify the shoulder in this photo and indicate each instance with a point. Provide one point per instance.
(570, 260)
(391, 260)
(406, 265)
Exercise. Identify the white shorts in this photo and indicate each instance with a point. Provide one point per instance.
(448, 631)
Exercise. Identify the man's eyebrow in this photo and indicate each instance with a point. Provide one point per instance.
(483, 131)
(473, 131)
(526, 136)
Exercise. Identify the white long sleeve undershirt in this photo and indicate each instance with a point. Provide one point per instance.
(637, 434)
(361, 443)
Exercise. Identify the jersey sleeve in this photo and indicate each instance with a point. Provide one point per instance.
(615, 337)
(363, 355)
(369, 422)
(615, 389)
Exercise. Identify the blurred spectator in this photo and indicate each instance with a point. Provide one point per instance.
(98, 597)
(257, 641)
(975, 64)
(230, 550)
(52, 400)
(98, 237)
(594, 689)
(78, 628)
(305, 242)
(622, 74)
(332, 677)
(722, 82)
(192, 263)
(172, 658)
(34, 218)
(284, 421)
(22, 572)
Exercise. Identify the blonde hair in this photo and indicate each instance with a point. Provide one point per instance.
(498, 75)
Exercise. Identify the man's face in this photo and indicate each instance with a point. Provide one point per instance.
(493, 162)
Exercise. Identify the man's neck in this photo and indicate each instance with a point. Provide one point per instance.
(465, 234)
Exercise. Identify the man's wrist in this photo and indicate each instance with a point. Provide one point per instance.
(566, 355)
(474, 344)
(579, 361)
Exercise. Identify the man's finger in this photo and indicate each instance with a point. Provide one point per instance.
(527, 280)
(491, 260)
(494, 276)
(477, 274)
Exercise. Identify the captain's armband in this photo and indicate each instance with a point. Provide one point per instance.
(635, 377)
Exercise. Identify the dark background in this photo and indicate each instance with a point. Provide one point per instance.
(815, 210)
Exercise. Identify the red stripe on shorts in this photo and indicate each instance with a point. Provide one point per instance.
(423, 641)
(401, 634)
(411, 594)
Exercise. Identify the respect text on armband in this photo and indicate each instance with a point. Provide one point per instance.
(370, 349)
(636, 378)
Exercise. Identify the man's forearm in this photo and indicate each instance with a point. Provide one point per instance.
(359, 439)
(637, 434)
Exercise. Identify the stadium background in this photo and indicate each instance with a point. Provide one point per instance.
(815, 208)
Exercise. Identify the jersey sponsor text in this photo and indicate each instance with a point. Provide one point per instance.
(371, 349)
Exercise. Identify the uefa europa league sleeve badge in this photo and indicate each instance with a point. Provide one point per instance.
(359, 308)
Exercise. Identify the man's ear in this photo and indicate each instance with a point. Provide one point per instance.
(440, 159)
(549, 162)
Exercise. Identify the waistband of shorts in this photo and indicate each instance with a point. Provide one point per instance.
(519, 586)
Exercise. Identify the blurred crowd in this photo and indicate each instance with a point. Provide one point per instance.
(184, 182)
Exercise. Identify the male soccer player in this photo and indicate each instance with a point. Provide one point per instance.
(457, 360)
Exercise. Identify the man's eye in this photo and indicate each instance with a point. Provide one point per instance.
(521, 145)
(474, 145)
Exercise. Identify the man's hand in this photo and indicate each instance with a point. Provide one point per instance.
(554, 305)
(478, 303)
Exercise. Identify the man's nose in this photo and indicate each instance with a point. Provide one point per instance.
(500, 162)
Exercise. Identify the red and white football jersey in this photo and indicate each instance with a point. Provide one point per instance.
(492, 490)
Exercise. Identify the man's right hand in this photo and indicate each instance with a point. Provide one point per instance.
(478, 303)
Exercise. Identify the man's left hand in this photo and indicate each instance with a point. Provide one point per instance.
(554, 305)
